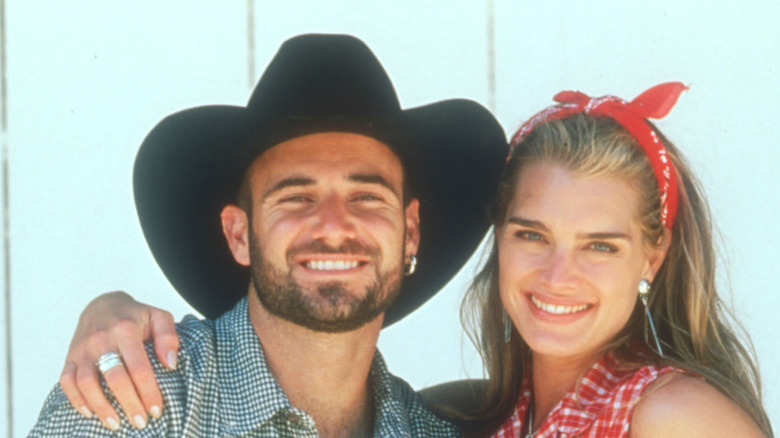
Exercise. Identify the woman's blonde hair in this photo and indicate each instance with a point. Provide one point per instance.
(694, 326)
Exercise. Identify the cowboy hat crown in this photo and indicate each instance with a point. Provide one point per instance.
(324, 76)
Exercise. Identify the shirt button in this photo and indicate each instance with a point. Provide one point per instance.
(293, 418)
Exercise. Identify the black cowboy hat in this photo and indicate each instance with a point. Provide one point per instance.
(191, 165)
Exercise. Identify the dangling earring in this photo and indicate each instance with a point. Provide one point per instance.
(644, 291)
(411, 267)
(507, 327)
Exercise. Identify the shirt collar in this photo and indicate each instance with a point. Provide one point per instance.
(591, 394)
(241, 365)
(583, 402)
(244, 379)
(391, 418)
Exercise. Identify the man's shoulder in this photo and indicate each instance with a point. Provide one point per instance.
(196, 330)
(422, 421)
(196, 361)
(197, 342)
(190, 392)
(197, 338)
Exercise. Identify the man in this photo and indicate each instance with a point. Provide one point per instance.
(289, 223)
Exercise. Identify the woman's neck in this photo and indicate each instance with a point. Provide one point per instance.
(552, 377)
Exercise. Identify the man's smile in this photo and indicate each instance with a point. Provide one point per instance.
(332, 265)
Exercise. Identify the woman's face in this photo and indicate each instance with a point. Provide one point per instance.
(571, 254)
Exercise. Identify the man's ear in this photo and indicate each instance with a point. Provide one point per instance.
(412, 216)
(235, 227)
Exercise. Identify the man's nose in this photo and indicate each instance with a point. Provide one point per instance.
(333, 221)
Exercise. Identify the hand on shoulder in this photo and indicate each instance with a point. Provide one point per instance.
(679, 405)
(116, 323)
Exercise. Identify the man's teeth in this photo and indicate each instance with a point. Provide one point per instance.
(331, 265)
(557, 309)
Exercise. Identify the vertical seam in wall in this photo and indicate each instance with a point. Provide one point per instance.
(250, 36)
(6, 225)
(491, 44)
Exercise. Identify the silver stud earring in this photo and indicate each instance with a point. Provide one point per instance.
(411, 267)
(644, 291)
(507, 327)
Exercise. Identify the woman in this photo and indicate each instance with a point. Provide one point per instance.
(604, 264)
(597, 310)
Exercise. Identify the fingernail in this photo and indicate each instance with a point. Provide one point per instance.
(112, 423)
(140, 421)
(155, 411)
(172, 360)
(86, 412)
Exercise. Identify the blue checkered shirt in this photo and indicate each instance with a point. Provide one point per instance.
(223, 387)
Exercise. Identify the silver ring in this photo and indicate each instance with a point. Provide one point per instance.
(107, 361)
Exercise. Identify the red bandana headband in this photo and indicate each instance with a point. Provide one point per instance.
(654, 103)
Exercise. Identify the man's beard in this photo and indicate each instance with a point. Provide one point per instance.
(336, 309)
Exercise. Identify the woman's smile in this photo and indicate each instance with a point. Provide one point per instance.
(556, 309)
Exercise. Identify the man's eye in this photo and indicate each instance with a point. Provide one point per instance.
(295, 199)
(603, 247)
(367, 198)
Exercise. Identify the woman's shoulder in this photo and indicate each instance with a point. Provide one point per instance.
(457, 402)
(682, 405)
(456, 396)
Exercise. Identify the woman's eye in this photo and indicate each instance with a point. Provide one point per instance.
(603, 247)
(529, 235)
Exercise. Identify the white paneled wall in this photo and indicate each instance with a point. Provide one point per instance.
(88, 79)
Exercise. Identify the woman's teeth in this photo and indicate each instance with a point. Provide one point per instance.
(557, 309)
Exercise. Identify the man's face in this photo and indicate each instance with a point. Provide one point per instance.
(329, 233)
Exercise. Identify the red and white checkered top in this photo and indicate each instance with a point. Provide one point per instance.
(599, 405)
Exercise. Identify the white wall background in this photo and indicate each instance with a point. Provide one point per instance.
(88, 79)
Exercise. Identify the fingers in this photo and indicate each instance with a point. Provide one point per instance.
(121, 385)
(137, 364)
(166, 341)
(71, 390)
(133, 382)
(143, 384)
(82, 387)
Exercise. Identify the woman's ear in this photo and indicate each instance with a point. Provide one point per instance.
(235, 227)
(656, 255)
